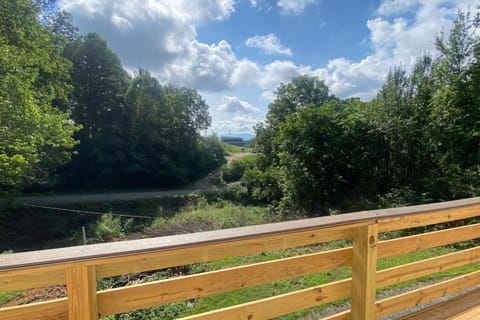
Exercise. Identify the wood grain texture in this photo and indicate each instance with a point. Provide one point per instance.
(416, 269)
(214, 251)
(344, 315)
(82, 293)
(463, 307)
(426, 294)
(426, 267)
(428, 240)
(364, 268)
(49, 310)
(428, 218)
(32, 278)
(281, 304)
(200, 285)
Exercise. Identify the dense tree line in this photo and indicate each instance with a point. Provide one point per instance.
(71, 116)
(418, 140)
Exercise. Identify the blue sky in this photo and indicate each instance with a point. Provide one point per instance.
(236, 52)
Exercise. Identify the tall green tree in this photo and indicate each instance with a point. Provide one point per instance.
(96, 103)
(455, 119)
(35, 137)
(163, 133)
(401, 115)
(302, 92)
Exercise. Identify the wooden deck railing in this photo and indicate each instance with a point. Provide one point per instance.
(80, 267)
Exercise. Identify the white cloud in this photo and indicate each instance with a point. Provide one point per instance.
(269, 44)
(239, 124)
(280, 72)
(268, 95)
(234, 105)
(394, 41)
(294, 6)
(245, 72)
(261, 5)
(389, 7)
(161, 36)
(204, 67)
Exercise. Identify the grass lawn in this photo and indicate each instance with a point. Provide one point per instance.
(5, 296)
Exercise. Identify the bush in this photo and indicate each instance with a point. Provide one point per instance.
(203, 217)
(235, 170)
(109, 227)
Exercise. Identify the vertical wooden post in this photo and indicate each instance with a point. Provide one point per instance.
(364, 268)
(82, 292)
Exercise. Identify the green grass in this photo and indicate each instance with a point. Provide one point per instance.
(6, 296)
(204, 216)
(235, 149)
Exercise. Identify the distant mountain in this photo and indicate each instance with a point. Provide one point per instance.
(244, 136)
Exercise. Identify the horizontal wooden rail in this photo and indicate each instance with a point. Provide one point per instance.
(56, 309)
(200, 285)
(80, 267)
(428, 240)
(426, 267)
(282, 304)
(426, 294)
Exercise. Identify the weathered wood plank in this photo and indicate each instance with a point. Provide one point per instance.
(200, 285)
(82, 292)
(281, 304)
(428, 240)
(364, 268)
(48, 310)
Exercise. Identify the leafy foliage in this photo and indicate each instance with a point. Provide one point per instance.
(416, 141)
(35, 137)
(235, 170)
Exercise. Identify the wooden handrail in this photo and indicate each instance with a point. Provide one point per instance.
(104, 250)
(79, 267)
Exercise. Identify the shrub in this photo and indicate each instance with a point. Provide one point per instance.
(235, 170)
(109, 227)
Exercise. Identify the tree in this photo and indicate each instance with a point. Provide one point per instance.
(455, 118)
(150, 122)
(99, 82)
(402, 118)
(35, 137)
(302, 92)
(298, 93)
(163, 127)
(328, 157)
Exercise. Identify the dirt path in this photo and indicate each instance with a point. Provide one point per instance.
(206, 184)
(237, 156)
(95, 197)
